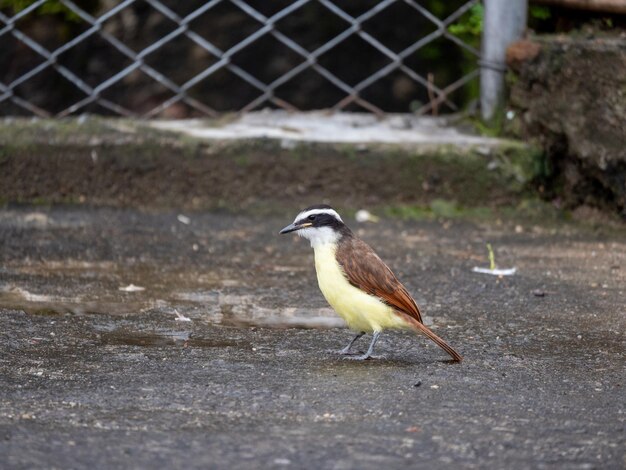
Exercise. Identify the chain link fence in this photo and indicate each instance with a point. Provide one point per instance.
(158, 58)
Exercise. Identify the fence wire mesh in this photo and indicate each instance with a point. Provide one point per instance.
(159, 58)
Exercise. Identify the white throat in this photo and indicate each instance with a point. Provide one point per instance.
(319, 236)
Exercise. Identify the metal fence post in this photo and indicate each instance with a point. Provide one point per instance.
(504, 22)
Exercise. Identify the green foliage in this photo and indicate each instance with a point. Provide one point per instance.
(470, 26)
(445, 209)
(51, 7)
(539, 12)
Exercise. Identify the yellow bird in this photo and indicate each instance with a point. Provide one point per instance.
(355, 281)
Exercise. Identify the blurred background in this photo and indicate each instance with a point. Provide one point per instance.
(228, 56)
(549, 73)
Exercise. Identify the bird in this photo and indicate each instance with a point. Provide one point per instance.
(356, 283)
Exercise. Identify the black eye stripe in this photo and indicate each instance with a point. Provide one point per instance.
(319, 218)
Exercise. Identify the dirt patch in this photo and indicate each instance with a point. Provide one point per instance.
(104, 164)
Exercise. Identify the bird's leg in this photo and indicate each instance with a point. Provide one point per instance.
(370, 350)
(346, 350)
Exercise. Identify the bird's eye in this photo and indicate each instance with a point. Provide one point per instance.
(311, 217)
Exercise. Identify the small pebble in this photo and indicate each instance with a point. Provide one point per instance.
(183, 219)
(417, 384)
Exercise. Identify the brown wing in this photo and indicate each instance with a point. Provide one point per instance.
(365, 270)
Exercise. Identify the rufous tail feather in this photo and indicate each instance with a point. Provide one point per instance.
(441, 343)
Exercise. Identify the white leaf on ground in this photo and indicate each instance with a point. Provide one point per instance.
(132, 288)
(180, 316)
(495, 272)
(365, 216)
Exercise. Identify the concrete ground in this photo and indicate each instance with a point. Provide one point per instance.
(95, 376)
(322, 126)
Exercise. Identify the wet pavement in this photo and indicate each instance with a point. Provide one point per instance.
(137, 340)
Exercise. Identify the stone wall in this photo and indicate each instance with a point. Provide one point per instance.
(570, 94)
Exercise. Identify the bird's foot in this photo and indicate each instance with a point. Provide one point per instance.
(347, 352)
(361, 357)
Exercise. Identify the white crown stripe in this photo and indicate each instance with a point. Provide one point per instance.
(304, 214)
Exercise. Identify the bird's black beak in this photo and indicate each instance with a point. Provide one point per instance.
(293, 227)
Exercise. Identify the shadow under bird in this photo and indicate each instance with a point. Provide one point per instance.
(357, 284)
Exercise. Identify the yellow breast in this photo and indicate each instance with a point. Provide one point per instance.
(361, 311)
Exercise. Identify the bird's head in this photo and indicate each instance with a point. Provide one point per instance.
(320, 224)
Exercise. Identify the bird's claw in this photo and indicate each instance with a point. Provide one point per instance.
(362, 357)
(345, 352)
